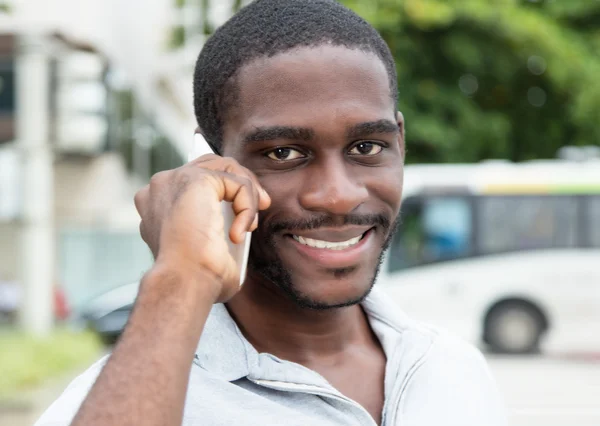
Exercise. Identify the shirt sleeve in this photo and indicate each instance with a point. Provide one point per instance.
(453, 386)
(63, 410)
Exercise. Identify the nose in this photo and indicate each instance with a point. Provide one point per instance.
(332, 188)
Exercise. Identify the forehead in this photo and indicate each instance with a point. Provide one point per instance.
(311, 86)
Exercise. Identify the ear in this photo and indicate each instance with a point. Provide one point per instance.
(402, 137)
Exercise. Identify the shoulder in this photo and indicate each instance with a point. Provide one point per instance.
(452, 384)
(444, 380)
(436, 347)
(62, 411)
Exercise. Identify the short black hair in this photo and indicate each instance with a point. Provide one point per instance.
(267, 28)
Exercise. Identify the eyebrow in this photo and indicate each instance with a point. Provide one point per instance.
(262, 134)
(371, 127)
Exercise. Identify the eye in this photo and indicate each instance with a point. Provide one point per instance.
(366, 148)
(284, 154)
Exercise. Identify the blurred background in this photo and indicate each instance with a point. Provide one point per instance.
(500, 242)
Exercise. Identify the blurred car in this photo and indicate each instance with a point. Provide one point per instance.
(11, 297)
(107, 313)
(10, 300)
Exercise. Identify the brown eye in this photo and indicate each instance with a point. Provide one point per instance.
(366, 148)
(284, 154)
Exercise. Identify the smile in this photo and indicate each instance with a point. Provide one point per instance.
(334, 248)
(329, 245)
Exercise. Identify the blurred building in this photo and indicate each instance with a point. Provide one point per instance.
(120, 110)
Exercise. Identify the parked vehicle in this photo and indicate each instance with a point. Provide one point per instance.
(11, 298)
(107, 314)
(502, 254)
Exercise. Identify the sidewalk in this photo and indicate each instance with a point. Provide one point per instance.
(27, 407)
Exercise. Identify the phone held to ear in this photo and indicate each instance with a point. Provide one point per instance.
(239, 252)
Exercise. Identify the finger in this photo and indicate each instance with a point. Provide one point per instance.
(233, 167)
(230, 165)
(263, 197)
(241, 193)
(202, 160)
(264, 200)
(142, 231)
(245, 207)
(141, 199)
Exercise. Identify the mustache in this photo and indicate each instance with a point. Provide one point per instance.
(315, 222)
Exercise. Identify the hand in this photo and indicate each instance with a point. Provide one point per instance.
(183, 224)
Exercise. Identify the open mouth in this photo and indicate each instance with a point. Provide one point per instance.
(333, 248)
(329, 245)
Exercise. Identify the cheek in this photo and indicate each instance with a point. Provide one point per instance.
(386, 186)
(283, 197)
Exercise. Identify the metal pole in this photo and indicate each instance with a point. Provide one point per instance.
(37, 233)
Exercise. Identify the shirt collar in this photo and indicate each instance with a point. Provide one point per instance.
(224, 351)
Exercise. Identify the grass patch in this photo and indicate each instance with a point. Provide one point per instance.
(26, 361)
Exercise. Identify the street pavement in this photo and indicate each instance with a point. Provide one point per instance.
(550, 392)
(538, 391)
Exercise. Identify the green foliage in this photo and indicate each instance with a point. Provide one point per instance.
(480, 79)
(177, 37)
(236, 6)
(4, 8)
(207, 26)
(25, 361)
(164, 156)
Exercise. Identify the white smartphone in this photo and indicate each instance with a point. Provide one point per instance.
(239, 252)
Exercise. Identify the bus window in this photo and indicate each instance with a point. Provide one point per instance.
(7, 100)
(7, 89)
(514, 223)
(432, 230)
(593, 220)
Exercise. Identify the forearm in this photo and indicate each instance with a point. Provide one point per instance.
(145, 380)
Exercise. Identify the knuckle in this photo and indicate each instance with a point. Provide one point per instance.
(248, 185)
(139, 198)
(204, 158)
(158, 178)
(246, 182)
(203, 178)
(230, 163)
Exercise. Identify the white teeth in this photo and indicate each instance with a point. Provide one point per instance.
(328, 244)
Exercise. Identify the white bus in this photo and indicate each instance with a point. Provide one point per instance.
(502, 254)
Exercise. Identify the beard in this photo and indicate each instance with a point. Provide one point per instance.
(273, 270)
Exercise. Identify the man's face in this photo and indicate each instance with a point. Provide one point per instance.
(317, 127)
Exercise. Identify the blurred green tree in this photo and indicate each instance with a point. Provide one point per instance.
(478, 79)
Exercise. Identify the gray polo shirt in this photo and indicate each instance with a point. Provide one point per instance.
(431, 379)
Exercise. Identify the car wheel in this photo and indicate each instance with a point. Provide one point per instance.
(109, 339)
(514, 328)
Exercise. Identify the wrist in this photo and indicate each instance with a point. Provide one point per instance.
(194, 281)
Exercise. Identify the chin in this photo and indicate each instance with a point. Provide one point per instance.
(329, 290)
(312, 284)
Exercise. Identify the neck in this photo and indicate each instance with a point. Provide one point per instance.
(273, 323)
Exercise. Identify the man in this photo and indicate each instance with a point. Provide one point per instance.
(299, 96)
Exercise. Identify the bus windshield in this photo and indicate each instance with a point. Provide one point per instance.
(443, 228)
